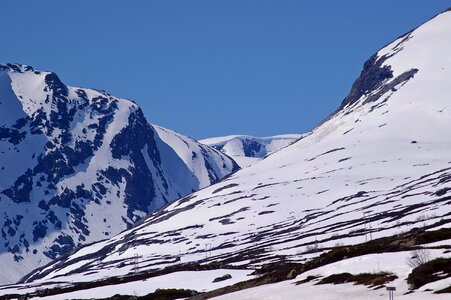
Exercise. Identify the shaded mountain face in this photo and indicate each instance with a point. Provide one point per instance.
(247, 150)
(79, 165)
(381, 164)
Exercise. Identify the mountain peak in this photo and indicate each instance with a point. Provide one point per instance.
(71, 158)
(247, 150)
(379, 166)
(15, 67)
(421, 55)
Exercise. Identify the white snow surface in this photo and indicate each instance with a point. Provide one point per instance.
(247, 150)
(200, 281)
(194, 154)
(394, 263)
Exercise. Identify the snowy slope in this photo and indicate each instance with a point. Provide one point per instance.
(380, 165)
(201, 281)
(247, 150)
(79, 165)
(206, 163)
(394, 263)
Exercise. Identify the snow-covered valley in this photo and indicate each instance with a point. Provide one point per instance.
(373, 181)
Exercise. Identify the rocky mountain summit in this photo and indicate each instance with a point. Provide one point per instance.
(80, 165)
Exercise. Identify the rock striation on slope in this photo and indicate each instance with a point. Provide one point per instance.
(379, 165)
(80, 165)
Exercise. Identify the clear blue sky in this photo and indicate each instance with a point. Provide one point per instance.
(211, 68)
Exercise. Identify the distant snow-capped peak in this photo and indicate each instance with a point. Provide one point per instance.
(246, 150)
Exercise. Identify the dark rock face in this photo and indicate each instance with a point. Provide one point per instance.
(401, 79)
(222, 278)
(79, 162)
(129, 143)
(63, 244)
(20, 191)
(251, 148)
(13, 136)
(372, 77)
(376, 79)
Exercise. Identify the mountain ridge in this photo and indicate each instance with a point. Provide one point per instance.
(68, 151)
(378, 166)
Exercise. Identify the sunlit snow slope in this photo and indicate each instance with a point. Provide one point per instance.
(79, 165)
(247, 150)
(381, 164)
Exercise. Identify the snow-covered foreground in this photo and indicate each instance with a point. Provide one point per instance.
(305, 284)
(200, 281)
(395, 263)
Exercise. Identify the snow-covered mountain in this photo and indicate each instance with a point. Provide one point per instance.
(206, 165)
(79, 165)
(247, 150)
(377, 167)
